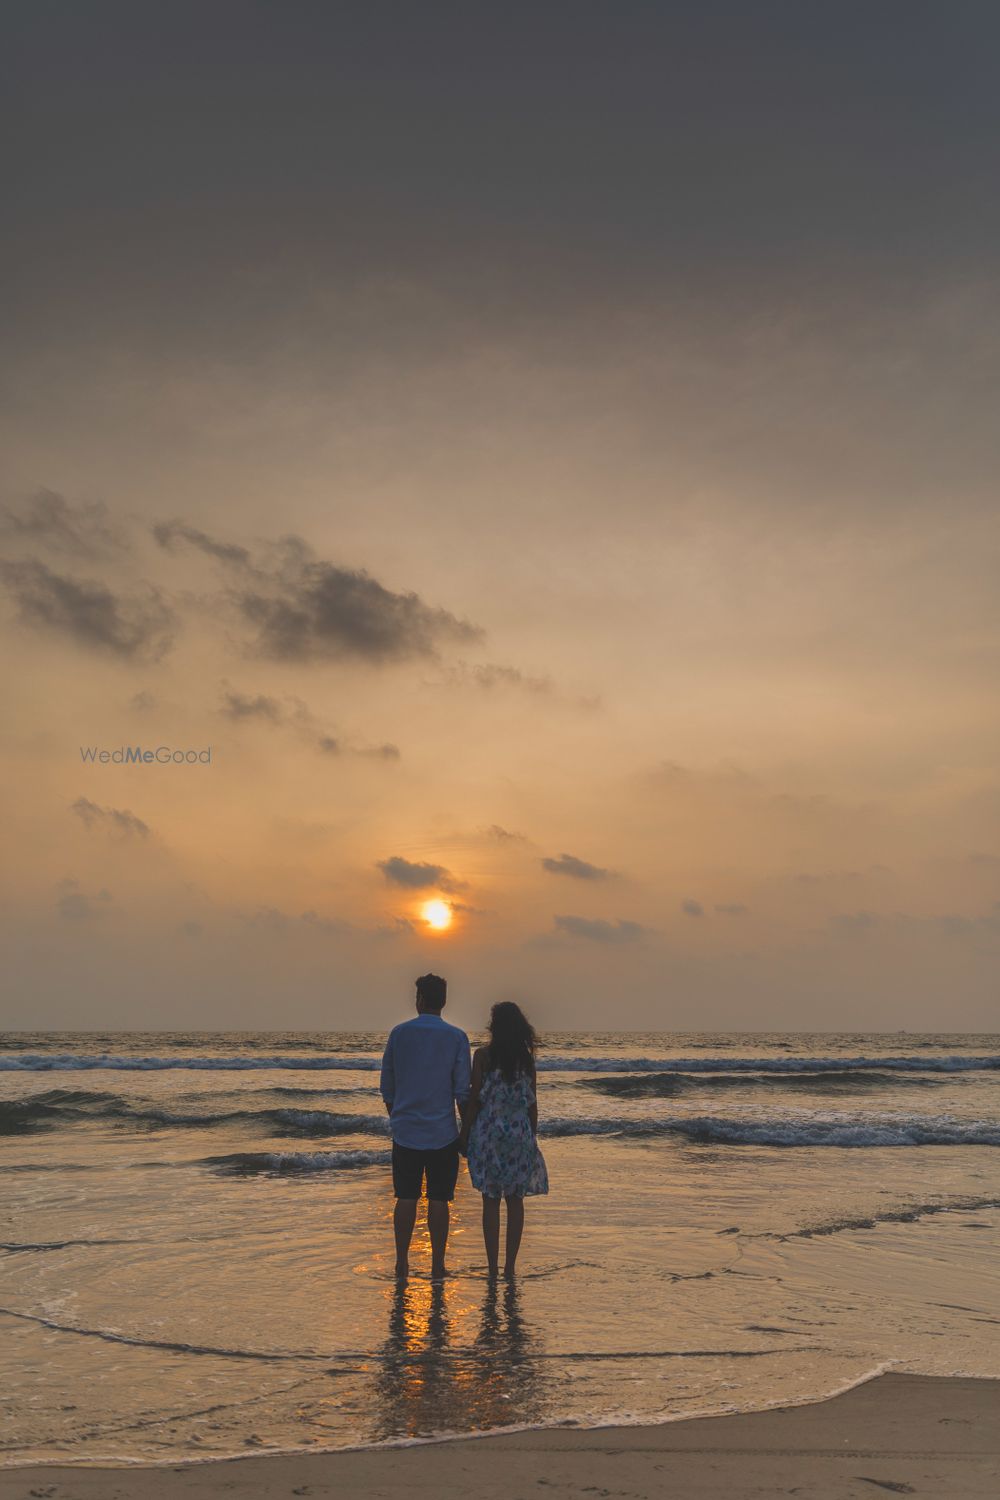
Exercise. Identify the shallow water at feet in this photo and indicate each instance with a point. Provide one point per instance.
(196, 1239)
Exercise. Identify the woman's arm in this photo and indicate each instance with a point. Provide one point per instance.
(533, 1111)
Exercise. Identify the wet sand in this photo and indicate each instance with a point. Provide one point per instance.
(898, 1434)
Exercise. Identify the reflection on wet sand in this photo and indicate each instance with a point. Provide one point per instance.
(434, 1374)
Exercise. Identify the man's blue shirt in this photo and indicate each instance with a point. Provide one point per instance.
(426, 1070)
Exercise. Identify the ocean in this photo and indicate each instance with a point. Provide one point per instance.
(196, 1246)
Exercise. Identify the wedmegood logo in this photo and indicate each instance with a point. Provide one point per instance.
(135, 755)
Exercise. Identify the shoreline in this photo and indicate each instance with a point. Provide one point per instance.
(894, 1433)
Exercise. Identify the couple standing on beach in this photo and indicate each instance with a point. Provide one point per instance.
(427, 1069)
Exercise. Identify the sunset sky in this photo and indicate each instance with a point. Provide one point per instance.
(548, 453)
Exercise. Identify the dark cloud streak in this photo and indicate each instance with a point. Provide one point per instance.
(598, 930)
(304, 608)
(116, 819)
(240, 706)
(133, 626)
(577, 869)
(46, 519)
(414, 876)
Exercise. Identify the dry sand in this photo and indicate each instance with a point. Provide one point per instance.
(897, 1435)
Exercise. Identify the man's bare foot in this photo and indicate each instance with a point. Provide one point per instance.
(508, 1273)
(402, 1270)
(438, 1273)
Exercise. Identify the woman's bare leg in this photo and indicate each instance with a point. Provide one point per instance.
(515, 1228)
(491, 1232)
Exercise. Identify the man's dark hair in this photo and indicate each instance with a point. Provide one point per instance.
(432, 990)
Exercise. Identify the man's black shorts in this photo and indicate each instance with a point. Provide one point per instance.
(409, 1166)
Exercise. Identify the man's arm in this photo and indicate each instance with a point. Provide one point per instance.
(470, 1108)
(461, 1077)
(387, 1077)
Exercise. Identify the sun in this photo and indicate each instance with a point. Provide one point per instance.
(437, 914)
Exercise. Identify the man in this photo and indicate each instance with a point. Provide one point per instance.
(426, 1070)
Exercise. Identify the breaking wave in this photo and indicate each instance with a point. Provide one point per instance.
(778, 1065)
(835, 1081)
(841, 1130)
(293, 1163)
(68, 1062)
(68, 1106)
(116, 1062)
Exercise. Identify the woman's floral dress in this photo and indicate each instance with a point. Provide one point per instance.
(504, 1159)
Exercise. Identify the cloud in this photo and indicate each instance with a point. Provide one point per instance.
(287, 924)
(331, 926)
(597, 930)
(142, 702)
(692, 908)
(129, 626)
(726, 774)
(268, 918)
(503, 835)
(169, 533)
(240, 706)
(854, 921)
(495, 678)
(946, 924)
(115, 819)
(579, 869)
(332, 612)
(292, 713)
(330, 744)
(304, 608)
(417, 877)
(491, 675)
(731, 909)
(191, 929)
(396, 927)
(73, 903)
(387, 751)
(48, 520)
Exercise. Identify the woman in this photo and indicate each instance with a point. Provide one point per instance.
(499, 1133)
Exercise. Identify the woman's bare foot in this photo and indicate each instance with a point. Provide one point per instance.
(438, 1273)
(402, 1270)
(508, 1273)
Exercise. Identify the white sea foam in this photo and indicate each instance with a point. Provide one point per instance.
(289, 1163)
(118, 1062)
(803, 1130)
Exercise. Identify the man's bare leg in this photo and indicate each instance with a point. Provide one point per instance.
(437, 1227)
(491, 1233)
(403, 1219)
(515, 1228)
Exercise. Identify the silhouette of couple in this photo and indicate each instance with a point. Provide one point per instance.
(428, 1070)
